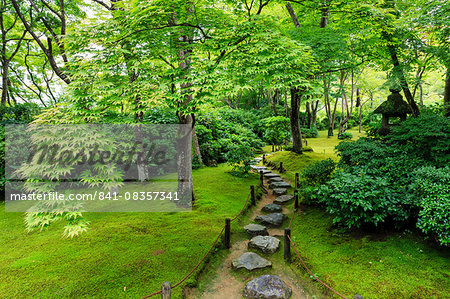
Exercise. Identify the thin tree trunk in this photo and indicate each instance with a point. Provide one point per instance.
(447, 94)
(196, 146)
(297, 146)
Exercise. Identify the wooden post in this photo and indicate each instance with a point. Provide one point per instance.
(264, 159)
(295, 199)
(252, 195)
(166, 290)
(296, 181)
(272, 148)
(261, 177)
(287, 245)
(226, 239)
(281, 166)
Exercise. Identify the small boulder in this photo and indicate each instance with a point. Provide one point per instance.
(279, 191)
(283, 199)
(272, 208)
(266, 244)
(256, 229)
(273, 219)
(267, 287)
(279, 185)
(250, 261)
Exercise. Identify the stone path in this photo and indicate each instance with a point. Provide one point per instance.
(264, 240)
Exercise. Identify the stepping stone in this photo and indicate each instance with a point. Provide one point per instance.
(257, 159)
(275, 179)
(267, 287)
(256, 230)
(283, 199)
(265, 171)
(279, 191)
(272, 208)
(250, 261)
(258, 168)
(279, 185)
(271, 175)
(273, 219)
(266, 244)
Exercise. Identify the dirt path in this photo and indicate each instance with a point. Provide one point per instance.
(225, 284)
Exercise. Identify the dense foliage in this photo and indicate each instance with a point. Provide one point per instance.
(401, 179)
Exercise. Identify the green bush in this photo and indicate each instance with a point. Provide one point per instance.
(345, 135)
(310, 133)
(358, 199)
(240, 157)
(361, 152)
(431, 187)
(426, 136)
(277, 129)
(319, 173)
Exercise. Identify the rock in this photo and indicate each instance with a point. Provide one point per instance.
(273, 219)
(279, 191)
(275, 179)
(266, 244)
(258, 168)
(279, 185)
(272, 208)
(267, 287)
(250, 261)
(256, 230)
(283, 199)
(271, 175)
(265, 171)
(257, 159)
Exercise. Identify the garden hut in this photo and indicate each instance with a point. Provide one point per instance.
(394, 106)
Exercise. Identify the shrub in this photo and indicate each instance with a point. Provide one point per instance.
(431, 187)
(426, 136)
(319, 173)
(361, 152)
(240, 157)
(310, 133)
(345, 135)
(361, 199)
(277, 129)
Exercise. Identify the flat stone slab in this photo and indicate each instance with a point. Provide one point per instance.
(275, 179)
(272, 208)
(250, 261)
(283, 199)
(256, 230)
(279, 191)
(267, 287)
(258, 168)
(266, 244)
(279, 185)
(273, 219)
(265, 171)
(271, 175)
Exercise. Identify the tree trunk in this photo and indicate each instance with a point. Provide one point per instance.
(398, 70)
(307, 118)
(4, 81)
(447, 94)
(314, 107)
(297, 146)
(196, 146)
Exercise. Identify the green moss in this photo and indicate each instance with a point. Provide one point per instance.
(377, 265)
(123, 254)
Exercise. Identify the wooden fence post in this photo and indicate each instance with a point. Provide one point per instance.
(287, 245)
(166, 290)
(252, 195)
(264, 159)
(226, 239)
(296, 181)
(281, 166)
(261, 177)
(295, 199)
